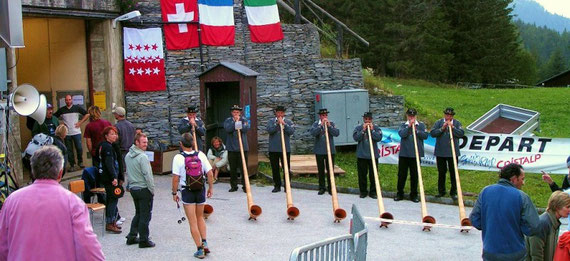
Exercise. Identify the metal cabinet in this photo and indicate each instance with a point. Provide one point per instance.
(346, 108)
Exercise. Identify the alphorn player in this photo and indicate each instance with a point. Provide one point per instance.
(193, 122)
(320, 148)
(443, 153)
(407, 158)
(364, 159)
(275, 150)
(232, 145)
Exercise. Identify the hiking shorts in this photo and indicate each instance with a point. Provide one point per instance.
(193, 197)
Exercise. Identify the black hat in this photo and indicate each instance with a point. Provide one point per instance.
(280, 108)
(191, 109)
(412, 112)
(323, 111)
(449, 111)
(235, 107)
(367, 115)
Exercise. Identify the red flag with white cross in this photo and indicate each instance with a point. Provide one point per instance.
(180, 36)
(143, 60)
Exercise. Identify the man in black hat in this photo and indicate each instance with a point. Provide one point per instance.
(192, 122)
(320, 148)
(275, 149)
(443, 153)
(364, 159)
(231, 125)
(407, 158)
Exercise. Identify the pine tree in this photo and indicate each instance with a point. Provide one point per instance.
(555, 65)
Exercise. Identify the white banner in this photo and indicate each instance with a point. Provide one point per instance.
(490, 152)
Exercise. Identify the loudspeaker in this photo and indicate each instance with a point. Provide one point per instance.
(25, 99)
(40, 114)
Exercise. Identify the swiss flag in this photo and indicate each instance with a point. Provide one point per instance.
(143, 59)
(180, 36)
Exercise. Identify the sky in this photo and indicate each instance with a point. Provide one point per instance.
(560, 7)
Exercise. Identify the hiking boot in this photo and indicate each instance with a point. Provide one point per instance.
(200, 253)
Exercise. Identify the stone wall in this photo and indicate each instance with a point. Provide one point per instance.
(86, 5)
(290, 70)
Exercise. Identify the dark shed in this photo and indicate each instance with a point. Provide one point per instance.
(222, 86)
(559, 80)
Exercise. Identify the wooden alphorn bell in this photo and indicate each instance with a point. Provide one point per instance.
(292, 211)
(462, 217)
(425, 217)
(208, 209)
(254, 210)
(383, 214)
(339, 213)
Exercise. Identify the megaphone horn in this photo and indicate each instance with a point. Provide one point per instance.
(25, 100)
(40, 114)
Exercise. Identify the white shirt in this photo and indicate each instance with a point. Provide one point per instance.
(179, 167)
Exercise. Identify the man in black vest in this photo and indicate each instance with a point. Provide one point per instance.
(275, 149)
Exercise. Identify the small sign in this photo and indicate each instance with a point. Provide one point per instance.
(99, 100)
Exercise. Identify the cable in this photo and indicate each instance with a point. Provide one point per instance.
(17, 59)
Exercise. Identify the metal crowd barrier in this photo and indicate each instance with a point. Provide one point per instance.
(346, 247)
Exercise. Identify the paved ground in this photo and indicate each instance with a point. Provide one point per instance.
(232, 237)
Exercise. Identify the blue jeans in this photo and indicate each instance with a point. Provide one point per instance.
(70, 142)
(111, 209)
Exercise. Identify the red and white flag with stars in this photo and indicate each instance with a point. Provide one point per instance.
(143, 59)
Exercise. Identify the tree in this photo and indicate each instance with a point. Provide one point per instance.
(555, 65)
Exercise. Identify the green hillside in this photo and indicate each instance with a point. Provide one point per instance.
(430, 99)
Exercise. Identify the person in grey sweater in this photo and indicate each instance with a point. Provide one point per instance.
(317, 130)
(232, 145)
(407, 158)
(141, 185)
(443, 153)
(364, 159)
(275, 149)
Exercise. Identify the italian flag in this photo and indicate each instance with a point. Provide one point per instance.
(263, 20)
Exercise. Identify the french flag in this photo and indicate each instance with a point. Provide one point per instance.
(217, 22)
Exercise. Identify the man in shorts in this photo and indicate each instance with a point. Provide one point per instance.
(192, 200)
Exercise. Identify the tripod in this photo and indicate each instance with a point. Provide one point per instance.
(7, 183)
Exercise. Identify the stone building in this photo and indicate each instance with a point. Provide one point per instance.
(71, 48)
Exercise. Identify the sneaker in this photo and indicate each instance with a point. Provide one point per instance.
(119, 223)
(122, 219)
(205, 247)
(200, 253)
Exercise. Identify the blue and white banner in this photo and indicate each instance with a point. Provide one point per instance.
(490, 152)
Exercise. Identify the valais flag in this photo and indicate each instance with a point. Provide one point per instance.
(144, 60)
(180, 36)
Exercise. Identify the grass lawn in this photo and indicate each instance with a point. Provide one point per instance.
(431, 99)
(471, 181)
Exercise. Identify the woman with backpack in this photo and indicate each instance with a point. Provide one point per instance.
(110, 176)
(188, 169)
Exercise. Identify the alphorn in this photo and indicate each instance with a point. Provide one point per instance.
(254, 210)
(208, 209)
(425, 217)
(339, 213)
(292, 211)
(383, 214)
(464, 220)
